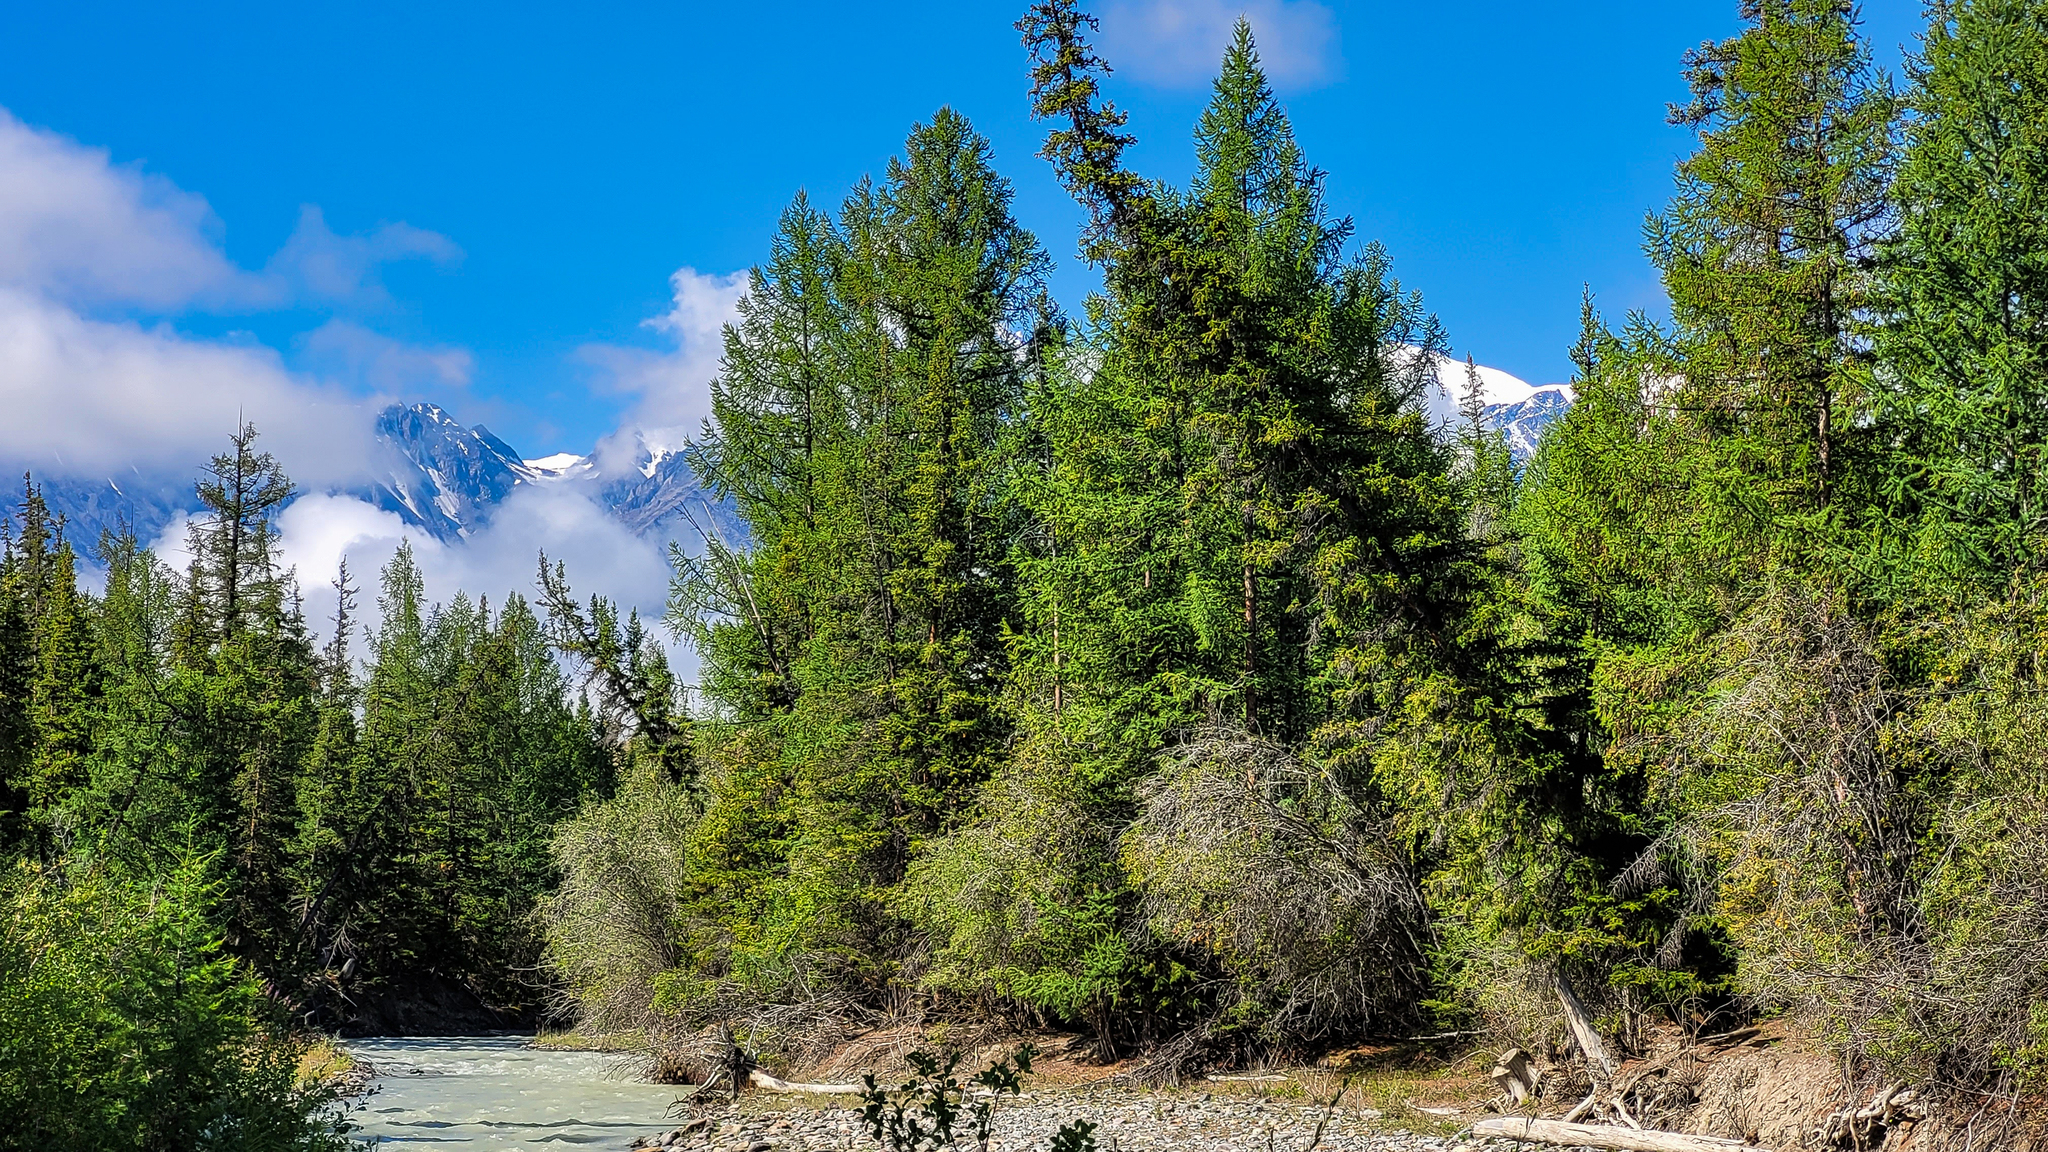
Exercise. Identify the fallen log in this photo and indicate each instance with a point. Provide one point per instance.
(763, 1080)
(1598, 1136)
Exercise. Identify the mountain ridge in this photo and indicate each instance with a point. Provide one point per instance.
(447, 479)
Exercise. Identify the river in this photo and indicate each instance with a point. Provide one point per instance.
(495, 1092)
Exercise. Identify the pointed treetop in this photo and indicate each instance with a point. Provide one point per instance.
(1244, 142)
(1066, 84)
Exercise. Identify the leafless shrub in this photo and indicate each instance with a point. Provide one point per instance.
(1795, 763)
(612, 926)
(1243, 849)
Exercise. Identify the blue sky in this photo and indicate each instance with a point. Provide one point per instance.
(554, 166)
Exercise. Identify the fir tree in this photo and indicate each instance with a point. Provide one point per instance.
(1764, 252)
(1964, 342)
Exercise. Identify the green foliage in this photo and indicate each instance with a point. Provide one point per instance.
(1963, 300)
(369, 844)
(123, 1024)
(853, 655)
(922, 1113)
(1160, 671)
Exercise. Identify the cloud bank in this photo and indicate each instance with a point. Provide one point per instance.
(97, 260)
(1180, 43)
(87, 397)
(316, 532)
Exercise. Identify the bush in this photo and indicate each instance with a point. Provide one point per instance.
(613, 925)
(122, 1025)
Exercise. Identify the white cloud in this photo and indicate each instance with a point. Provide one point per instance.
(86, 388)
(316, 265)
(1180, 43)
(346, 351)
(84, 396)
(315, 532)
(78, 227)
(674, 386)
(87, 244)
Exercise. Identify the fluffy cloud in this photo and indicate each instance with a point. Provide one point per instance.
(316, 532)
(346, 351)
(317, 266)
(83, 396)
(78, 227)
(1178, 43)
(90, 248)
(673, 386)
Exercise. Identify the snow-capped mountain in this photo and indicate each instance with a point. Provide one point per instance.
(1524, 421)
(447, 479)
(1513, 406)
(90, 507)
(437, 475)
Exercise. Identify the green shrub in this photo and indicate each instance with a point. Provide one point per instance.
(124, 1025)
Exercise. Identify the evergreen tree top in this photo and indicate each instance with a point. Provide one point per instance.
(1244, 142)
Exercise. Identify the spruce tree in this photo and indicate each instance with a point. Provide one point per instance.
(865, 416)
(1764, 252)
(1964, 340)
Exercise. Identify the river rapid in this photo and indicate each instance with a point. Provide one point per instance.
(477, 1092)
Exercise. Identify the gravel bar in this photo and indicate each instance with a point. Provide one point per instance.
(1127, 1121)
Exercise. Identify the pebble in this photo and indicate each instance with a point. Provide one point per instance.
(1127, 1120)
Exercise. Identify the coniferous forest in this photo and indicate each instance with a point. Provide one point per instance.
(1158, 672)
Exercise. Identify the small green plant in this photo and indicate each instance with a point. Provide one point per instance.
(921, 1114)
(1076, 1137)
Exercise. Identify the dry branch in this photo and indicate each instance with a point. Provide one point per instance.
(1601, 1065)
(763, 1080)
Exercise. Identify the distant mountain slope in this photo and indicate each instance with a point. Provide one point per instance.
(1518, 409)
(91, 507)
(447, 479)
(1524, 422)
(435, 474)
(439, 475)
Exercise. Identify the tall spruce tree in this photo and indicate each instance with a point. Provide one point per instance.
(1964, 340)
(864, 416)
(1764, 252)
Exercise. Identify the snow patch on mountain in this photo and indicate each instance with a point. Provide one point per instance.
(1517, 409)
(560, 466)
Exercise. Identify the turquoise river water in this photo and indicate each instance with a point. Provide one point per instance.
(478, 1092)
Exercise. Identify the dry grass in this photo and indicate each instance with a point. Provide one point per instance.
(324, 1062)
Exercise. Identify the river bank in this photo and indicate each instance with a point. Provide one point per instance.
(503, 1092)
(1126, 1119)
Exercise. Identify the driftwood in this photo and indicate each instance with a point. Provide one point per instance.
(1868, 1126)
(1513, 1074)
(1599, 1136)
(763, 1080)
(1584, 1106)
(1588, 1037)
